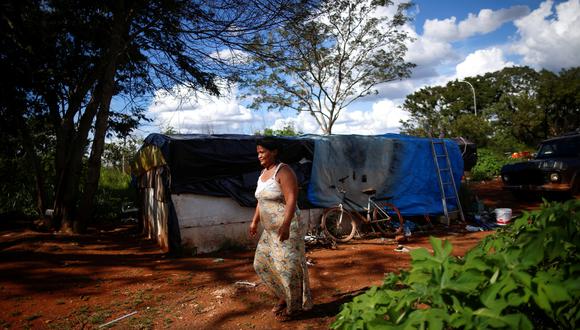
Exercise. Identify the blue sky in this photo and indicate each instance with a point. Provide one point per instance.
(453, 40)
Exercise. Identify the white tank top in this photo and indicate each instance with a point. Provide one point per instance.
(271, 184)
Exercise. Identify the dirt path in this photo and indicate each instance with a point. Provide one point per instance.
(63, 282)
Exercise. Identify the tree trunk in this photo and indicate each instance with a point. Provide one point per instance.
(71, 149)
(68, 177)
(101, 125)
(94, 165)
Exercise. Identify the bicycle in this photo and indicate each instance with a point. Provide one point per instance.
(339, 224)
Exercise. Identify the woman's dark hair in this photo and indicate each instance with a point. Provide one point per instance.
(269, 143)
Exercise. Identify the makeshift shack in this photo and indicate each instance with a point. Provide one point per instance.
(197, 191)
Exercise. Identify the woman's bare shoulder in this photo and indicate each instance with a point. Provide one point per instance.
(285, 172)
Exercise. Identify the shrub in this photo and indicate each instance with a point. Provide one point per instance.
(488, 165)
(114, 190)
(525, 275)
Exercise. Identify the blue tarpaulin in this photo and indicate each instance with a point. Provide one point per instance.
(398, 166)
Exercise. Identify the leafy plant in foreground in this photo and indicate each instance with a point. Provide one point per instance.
(527, 275)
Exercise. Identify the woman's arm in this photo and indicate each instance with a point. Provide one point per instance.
(289, 187)
(255, 222)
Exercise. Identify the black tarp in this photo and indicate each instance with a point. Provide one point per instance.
(227, 165)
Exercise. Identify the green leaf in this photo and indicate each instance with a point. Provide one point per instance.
(557, 292)
(541, 298)
(522, 278)
(517, 321)
(420, 254)
(494, 276)
(534, 251)
(467, 281)
(489, 295)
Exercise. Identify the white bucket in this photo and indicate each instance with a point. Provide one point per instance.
(503, 216)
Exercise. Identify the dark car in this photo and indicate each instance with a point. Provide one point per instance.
(555, 168)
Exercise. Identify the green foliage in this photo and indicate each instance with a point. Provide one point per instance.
(114, 190)
(515, 105)
(504, 142)
(525, 275)
(119, 154)
(288, 130)
(16, 184)
(476, 128)
(488, 165)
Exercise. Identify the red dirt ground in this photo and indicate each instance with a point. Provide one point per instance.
(51, 281)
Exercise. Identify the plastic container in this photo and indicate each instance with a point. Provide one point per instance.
(503, 216)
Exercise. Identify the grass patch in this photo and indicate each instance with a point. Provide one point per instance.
(32, 317)
(64, 325)
(83, 310)
(142, 321)
(99, 317)
(140, 297)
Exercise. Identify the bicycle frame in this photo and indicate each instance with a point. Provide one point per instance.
(353, 210)
(377, 215)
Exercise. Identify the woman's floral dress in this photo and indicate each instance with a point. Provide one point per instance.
(281, 265)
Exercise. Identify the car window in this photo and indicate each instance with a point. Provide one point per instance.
(560, 148)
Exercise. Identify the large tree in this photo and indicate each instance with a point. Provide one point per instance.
(67, 59)
(501, 97)
(332, 59)
(516, 107)
(559, 95)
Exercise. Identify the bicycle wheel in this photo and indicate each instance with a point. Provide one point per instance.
(338, 224)
(386, 216)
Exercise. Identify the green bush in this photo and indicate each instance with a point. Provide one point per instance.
(488, 165)
(526, 275)
(114, 190)
(505, 142)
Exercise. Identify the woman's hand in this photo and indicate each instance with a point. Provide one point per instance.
(255, 221)
(253, 228)
(284, 232)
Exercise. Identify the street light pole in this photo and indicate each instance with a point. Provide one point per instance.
(473, 90)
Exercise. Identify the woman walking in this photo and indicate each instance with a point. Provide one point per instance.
(280, 256)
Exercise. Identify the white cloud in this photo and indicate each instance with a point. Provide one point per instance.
(383, 118)
(434, 49)
(481, 62)
(486, 21)
(442, 30)
(231, 56)
(189, 112)
(425, 51)
(303, 122)
(550, 41)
